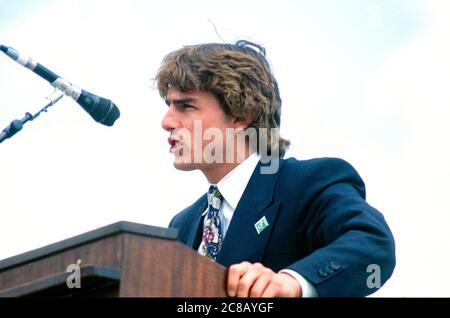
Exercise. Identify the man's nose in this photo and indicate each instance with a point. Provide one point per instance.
(170, 121)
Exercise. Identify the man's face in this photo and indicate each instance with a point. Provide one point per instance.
(188, 116)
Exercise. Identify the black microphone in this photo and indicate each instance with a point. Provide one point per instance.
(101, 109)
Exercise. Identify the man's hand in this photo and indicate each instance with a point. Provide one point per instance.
(255, 280)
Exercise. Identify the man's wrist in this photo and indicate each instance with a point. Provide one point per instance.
(307, 290)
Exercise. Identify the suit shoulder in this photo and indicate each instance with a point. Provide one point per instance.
(320, 172)
(322, 165)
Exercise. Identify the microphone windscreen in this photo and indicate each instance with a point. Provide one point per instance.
(101, 109)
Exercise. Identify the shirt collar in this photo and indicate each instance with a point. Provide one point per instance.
(232, 186)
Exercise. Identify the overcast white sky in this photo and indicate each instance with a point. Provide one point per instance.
(364, 80)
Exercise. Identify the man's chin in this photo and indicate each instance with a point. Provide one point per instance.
(184, 166)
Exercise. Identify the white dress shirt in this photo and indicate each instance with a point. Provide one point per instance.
(232, 187)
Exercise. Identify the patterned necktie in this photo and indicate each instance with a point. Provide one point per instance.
(212, 228)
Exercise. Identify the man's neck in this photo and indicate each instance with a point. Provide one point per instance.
(215, 172)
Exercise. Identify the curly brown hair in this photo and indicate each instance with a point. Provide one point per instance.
(240, 77)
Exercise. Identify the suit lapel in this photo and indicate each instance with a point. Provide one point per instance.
(194, 236)
(242, 241)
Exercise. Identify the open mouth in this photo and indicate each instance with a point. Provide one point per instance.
(173, 143)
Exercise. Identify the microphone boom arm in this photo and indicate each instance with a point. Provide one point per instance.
(17, 124)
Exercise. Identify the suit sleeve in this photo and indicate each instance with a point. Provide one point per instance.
(352, 247)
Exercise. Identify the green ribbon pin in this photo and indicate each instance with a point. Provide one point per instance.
(261, 225)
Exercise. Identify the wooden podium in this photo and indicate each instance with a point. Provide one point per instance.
(123, 259)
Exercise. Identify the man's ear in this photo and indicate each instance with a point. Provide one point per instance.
(241, 123)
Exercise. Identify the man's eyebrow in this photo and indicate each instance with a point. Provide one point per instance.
(180, 101)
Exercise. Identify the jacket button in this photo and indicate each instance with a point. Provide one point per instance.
(323, 272)
(329, 269)
(335, 265)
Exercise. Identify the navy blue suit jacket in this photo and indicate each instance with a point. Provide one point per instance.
(319, 226)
